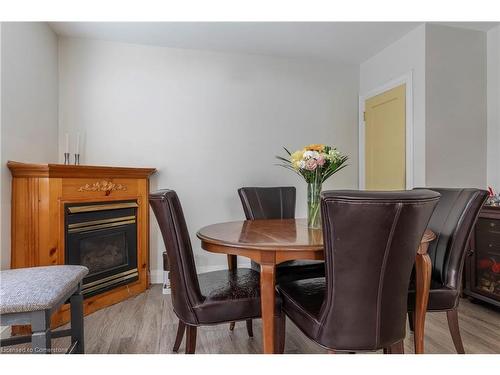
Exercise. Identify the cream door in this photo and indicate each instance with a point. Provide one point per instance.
(385, 140)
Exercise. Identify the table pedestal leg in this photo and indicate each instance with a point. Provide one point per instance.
(267, 300)
(423, 269)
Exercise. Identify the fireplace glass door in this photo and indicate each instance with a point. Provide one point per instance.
(103, 238)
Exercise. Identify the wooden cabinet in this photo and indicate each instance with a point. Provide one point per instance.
(482, 280)
(40, 193)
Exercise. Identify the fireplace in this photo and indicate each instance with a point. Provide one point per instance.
(42, 195)
(103, 237)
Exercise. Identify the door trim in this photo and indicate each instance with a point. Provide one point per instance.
(405, 79)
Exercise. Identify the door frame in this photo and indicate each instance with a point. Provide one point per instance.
(405, 79)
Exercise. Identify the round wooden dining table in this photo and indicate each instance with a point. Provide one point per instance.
(270, 242)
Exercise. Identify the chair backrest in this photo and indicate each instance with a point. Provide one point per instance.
(183, 278)
(268, 202)
(453, 221)
(371, 240)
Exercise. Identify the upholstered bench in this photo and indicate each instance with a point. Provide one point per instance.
(31, 295)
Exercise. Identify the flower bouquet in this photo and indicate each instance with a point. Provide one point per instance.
(315, 164)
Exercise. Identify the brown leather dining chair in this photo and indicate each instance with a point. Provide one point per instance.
(452, 221)
(371, 240)
(201, 299)
(275, 203)
(264, 203)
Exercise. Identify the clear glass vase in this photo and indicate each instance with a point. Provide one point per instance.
(313, 205)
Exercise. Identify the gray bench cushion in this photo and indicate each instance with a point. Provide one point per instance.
(37, 288)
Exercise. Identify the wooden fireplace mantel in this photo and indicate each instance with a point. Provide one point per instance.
(76, 171)
(39, 195)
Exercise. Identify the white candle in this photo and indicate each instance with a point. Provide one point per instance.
(77, 143)
(67, 143)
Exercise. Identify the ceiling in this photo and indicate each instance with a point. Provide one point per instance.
(349, 42)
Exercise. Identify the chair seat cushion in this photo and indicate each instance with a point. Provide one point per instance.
(441, 298)
(229, 296)
(296, 270)
(229, 285)
(37, 288)
(302, 301)
(299, 269)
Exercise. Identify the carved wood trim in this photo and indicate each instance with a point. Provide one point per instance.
(103, 185)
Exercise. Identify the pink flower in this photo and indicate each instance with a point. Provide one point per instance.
(311, 164)
(320, 160)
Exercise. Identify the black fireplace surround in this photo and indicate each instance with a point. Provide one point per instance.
(103, 237)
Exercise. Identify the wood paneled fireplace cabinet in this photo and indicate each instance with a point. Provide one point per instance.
(88, 215)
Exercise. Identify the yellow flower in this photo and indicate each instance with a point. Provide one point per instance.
(315, 147)
(296, 158)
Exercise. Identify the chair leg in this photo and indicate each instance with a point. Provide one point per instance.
(249, 328)
(232, 264)
(397, 348)
(280, 324)
(77, 332)
(411, 320)
(41, 336)
(190, 340)
(452, 316)
(178, 338)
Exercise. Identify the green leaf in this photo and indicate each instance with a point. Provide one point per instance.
(283, 159)
(290, 168)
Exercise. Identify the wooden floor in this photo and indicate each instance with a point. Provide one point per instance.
(147, 324)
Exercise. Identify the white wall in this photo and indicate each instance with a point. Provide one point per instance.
(29, 106)
(2, 251)
(210, 122)
(493, 89)
(455, 107)
(404, 56)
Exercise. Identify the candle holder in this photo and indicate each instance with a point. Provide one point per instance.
(66, 158)
(77, 159)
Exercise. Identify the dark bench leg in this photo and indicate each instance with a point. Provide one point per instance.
(76, 302)
(41, 334)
